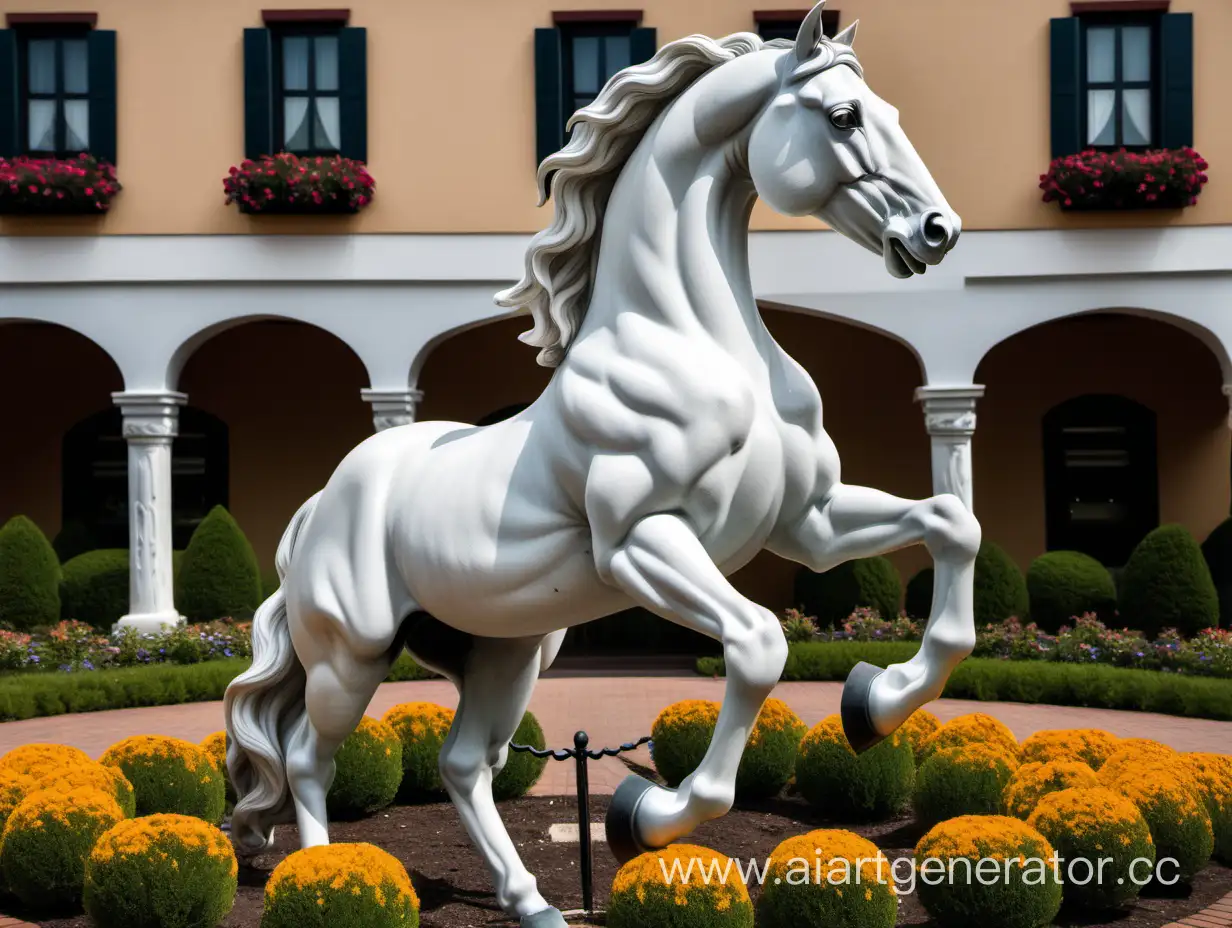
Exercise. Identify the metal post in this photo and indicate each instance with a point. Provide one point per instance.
(580, 754)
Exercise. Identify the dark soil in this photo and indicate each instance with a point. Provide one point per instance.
(455, 890)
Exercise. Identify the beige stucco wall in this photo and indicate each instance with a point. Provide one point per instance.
(451, 108)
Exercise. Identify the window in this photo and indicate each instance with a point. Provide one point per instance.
(1122, 79)
(1100, 476)
(785, 24)
(305, 88)
(574, 59)
(57, 87)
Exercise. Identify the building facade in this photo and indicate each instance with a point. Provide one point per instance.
(1067, 372)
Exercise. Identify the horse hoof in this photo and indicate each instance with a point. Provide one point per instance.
(856, 710)
(548, 918)
(621, 816)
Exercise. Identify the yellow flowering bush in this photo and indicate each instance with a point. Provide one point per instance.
(46, 842)
(215, 746)
(966, 780)
(340, 886)
(422, 727)
(1089, 745)
(919, 727)
(1018, 889)
(13, 789)
(679, 886)
(1033, 781)
(161, 871)
(1098, 834)
(1214, 775)
(682, 732)
(828, 877)
(846, 785)
(974, 728)
(93, 776)
(1134, 751)
(35, 760)
(369, 770)
(169, 775)
(521, 770)
(1179, 821)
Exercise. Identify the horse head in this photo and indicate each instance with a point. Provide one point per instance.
(827, 146)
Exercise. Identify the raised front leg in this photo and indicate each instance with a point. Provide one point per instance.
(853, 522)
(664, 567)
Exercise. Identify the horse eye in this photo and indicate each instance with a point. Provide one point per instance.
(845, 117)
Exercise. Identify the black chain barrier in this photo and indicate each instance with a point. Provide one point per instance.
(581, 754)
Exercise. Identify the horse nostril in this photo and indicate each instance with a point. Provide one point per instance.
(936, 229)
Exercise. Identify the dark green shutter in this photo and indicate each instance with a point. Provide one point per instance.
(353, 87)
(1065, 57)
(101, 54)
(549, 94)
(10, 104)
(258, 94)
(1176, 79)
(642, 45)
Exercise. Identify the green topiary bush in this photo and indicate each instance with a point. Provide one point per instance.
(94, 587)
(218, 577)
(918, 600)
(422, 727)
(704, 891)
(169, 775)
(1167, 584)
(340, 886)
(1063, 585)
(849, 786)
(521, 770)
(967, 780)
(831, 878)
(1217, 551)
(679, 738)
(29, 576)
(871, 582)
(367, 770)
(1000, 590)
(74, 538)
(162, 871)
(269, 583)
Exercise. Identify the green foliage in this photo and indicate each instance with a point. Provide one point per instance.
(1217, 551)
(422, 727)
(1000, 590)
(269, 583)
(1064, 585)
(1168, 585)
(74, 538)
(94, 587)
(219, 577)
(847, 786)
(680, 735)
(176, 879)
(918, 602)
(405, 669)
(368, 771)
(521, 770)
(814, 887)
(170, 776)
(871, 582)
(769, 757)
(968, 780)
(29, 576)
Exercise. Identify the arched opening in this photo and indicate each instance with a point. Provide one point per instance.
(51, 378)
(94, 485)
(289, 396)
(1101, 477)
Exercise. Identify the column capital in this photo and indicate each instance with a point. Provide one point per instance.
(392, 407)
(950, 410)
(150, 415)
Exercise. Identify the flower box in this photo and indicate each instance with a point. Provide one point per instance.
(1168, 178)
(288, 184)
(56, 186)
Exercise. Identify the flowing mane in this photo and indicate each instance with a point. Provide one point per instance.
(561, 259)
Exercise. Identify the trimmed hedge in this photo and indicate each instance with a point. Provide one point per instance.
(1167, 584)
(1000, 589)
(918, 601)
(94, 587)
(521, 770)
(219, 576)
(1217, 551)
(1063, 585)
(29, 576)
(830, 597)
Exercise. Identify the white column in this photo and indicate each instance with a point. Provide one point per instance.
(949, 416)
(150, 425)
(392, 407)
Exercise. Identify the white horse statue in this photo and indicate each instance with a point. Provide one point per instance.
(675, 440)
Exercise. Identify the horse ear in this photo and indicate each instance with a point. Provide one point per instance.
(847, 36)
(809, 34)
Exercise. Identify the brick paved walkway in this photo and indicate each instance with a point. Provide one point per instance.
(613, 710)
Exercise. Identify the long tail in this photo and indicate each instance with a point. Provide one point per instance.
(262, 705)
